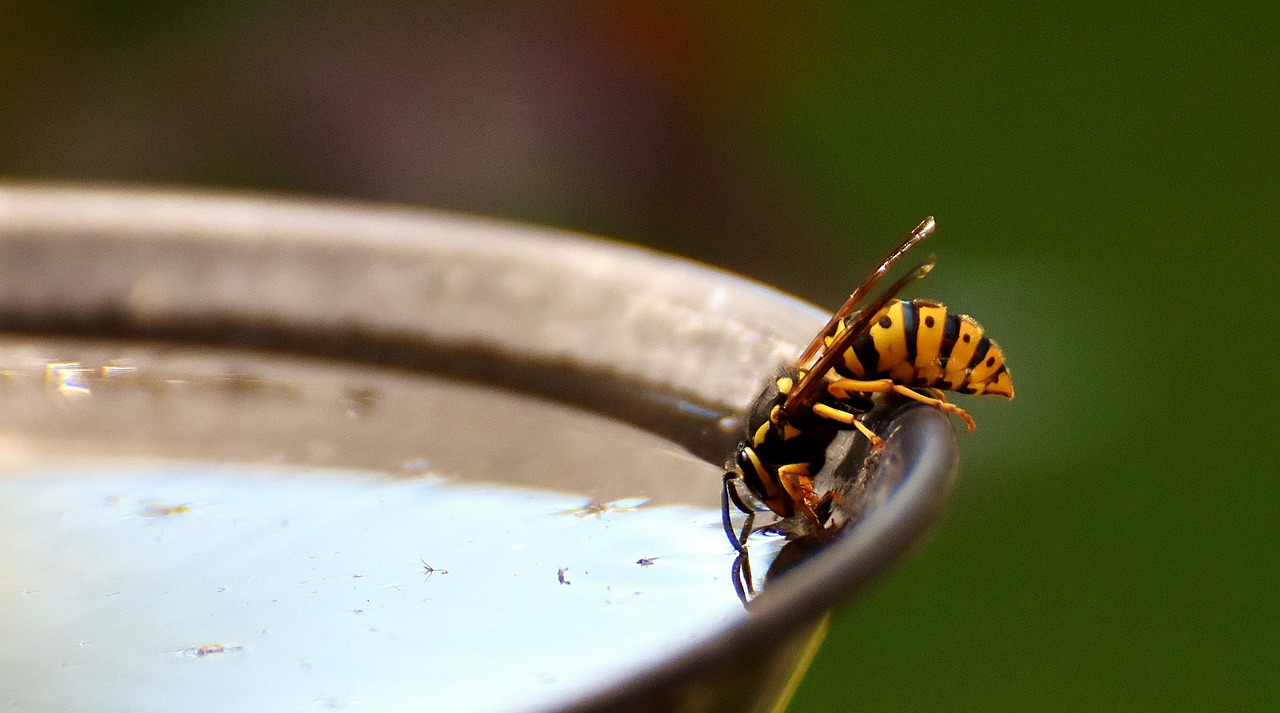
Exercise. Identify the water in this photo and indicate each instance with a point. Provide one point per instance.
(197, 588)
(363, 539)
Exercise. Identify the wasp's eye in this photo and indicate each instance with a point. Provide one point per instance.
(750, 469)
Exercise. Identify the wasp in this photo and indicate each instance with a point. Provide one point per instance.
(917, 349)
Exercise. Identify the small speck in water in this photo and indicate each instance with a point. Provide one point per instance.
(196, 652)
(154, 509)
(429, 570)
(560, 575)
(599, 509)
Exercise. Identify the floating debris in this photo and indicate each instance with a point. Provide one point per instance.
(196, 652)
(429, 570)
(154, 509)
(599, 509)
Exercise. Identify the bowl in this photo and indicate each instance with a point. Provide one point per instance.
(268, 453)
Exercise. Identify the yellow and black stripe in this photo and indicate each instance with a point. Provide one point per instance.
(921, 344)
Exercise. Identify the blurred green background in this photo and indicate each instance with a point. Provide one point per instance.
(1103, 175)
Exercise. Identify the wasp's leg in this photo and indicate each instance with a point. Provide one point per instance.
(884, 386)
(741, 574)
(796, 481)
(730, 494)
(822, 508)
(847, 418)
(939, 403)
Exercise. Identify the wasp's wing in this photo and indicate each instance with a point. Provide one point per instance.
(920, 232)
(859, 326)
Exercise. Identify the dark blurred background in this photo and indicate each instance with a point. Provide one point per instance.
(1103, 176)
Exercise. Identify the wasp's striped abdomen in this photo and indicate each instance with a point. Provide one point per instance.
(920, 343)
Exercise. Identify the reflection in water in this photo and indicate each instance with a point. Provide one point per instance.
(201, 588)
(777, 550)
